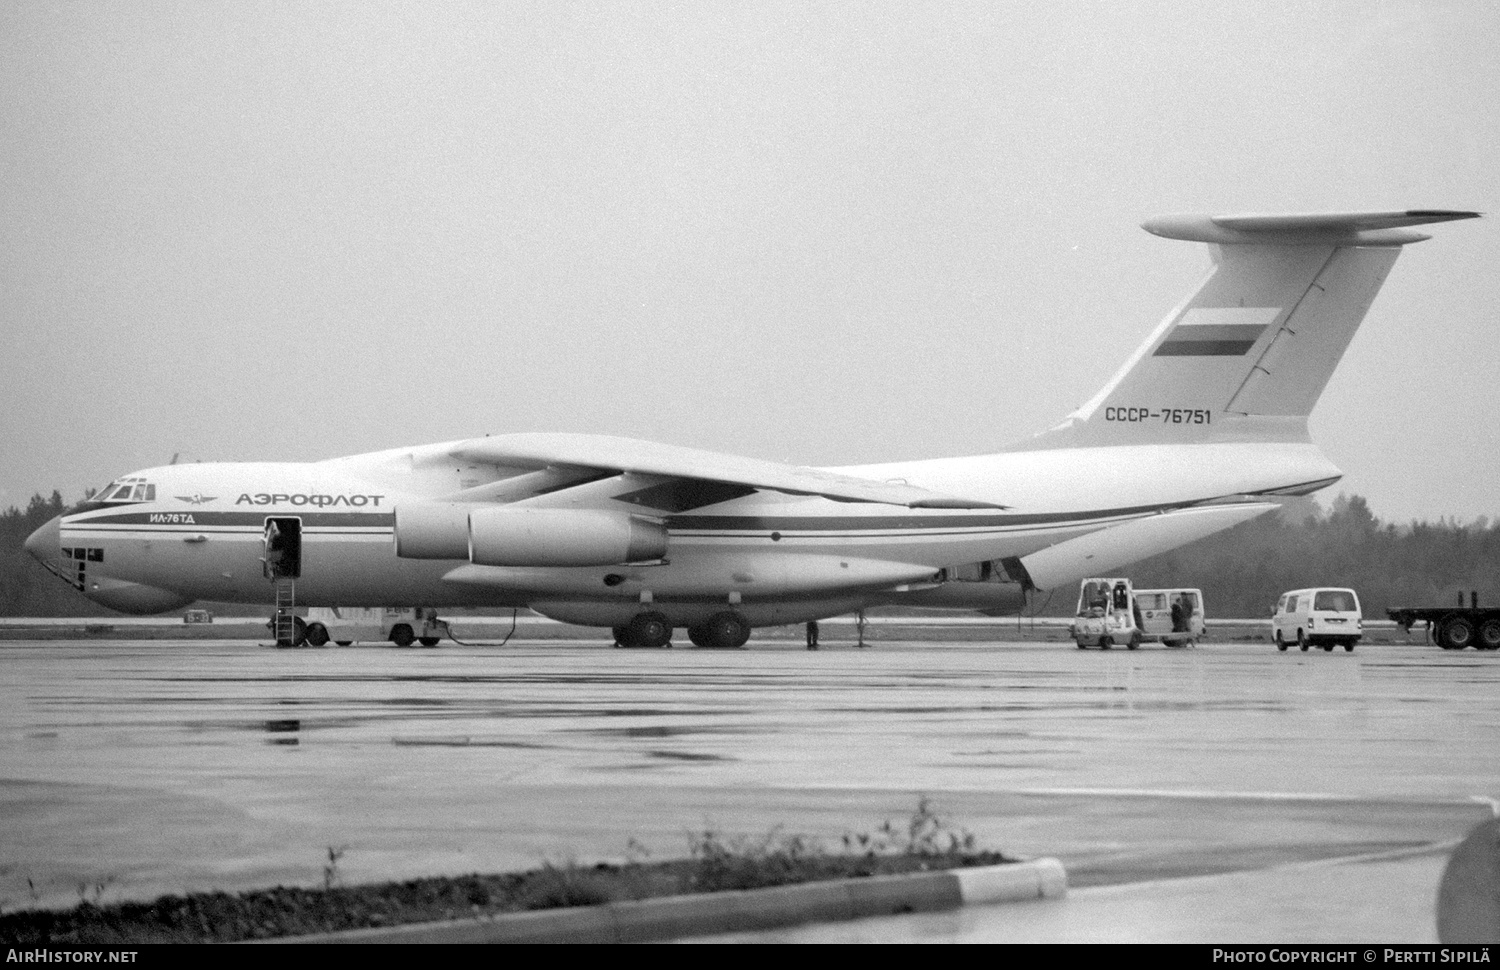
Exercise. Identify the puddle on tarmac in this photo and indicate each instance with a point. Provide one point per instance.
(687, 756)
(464, 742)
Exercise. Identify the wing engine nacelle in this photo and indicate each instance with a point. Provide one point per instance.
(508, 536)
(562, 537)
(432, 531)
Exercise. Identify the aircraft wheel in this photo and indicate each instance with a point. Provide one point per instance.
(1489, 634)
(651, 629)
(402, 636)
(429, 641)
(317, 635)
(726, 629)
(699, 636)
(1457, 633)
(1302, 643)
(1106, 642)
(622, 636)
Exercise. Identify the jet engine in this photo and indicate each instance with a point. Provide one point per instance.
(432, 531)
(562, 537)
(509, 536)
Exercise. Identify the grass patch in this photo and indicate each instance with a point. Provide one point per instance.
(716, 862)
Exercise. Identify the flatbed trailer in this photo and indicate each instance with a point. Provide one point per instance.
(1454, 627)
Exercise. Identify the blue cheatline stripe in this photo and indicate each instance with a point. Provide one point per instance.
(194, 518)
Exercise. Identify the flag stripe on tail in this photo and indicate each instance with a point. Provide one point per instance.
(1217, 331)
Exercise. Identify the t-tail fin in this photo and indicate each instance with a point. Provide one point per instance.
(1246, 357)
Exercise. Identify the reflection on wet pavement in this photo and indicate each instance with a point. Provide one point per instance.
(168, 766)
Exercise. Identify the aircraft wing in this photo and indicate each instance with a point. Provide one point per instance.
(607, 453)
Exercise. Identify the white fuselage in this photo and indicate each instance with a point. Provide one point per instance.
(779, 558)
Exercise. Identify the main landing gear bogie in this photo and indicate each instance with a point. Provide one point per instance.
(650, 630)
(724, 630)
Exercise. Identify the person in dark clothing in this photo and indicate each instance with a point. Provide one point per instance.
(812, 634)
(1179, 616)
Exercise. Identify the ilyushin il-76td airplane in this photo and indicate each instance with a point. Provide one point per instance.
(1201, 428)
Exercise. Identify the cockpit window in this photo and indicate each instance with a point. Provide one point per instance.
(127, 490)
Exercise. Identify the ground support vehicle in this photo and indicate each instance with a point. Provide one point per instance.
(1320, 616)
(1155, 614)
(400, 625)
(1111, 611)
(1106, 615)
(1454, 627)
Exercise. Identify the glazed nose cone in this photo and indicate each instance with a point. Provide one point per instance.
(46, 542)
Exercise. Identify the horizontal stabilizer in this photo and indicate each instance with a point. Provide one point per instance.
(621, 455)
(1330, 228)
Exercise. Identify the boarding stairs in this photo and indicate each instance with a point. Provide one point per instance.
(285, 621)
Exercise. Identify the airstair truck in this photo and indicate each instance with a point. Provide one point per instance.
(1454, 628)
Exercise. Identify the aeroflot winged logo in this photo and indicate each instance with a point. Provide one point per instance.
(196, 498)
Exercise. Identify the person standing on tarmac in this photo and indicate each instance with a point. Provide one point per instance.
(812, 634)
(1179, 616)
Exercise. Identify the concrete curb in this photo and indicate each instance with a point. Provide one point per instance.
(672, 917)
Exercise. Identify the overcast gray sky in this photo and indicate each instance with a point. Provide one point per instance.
(822, 233)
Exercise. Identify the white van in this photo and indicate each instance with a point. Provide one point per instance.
(1326, 617)
(1173, 616)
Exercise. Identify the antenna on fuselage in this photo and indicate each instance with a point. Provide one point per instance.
(174, 457)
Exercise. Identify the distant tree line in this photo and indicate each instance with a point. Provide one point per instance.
(26, 588)
(1241, 571)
